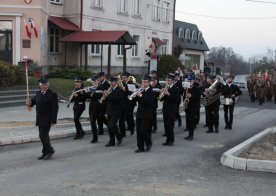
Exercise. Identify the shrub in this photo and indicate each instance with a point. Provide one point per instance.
(10, 74)
(167, 64)
(68, 73)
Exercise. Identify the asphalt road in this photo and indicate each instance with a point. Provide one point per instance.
(187, 168)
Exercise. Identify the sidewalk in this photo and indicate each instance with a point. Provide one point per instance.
(12, 133)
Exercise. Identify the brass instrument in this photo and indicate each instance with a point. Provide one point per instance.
(212, 97)
(186, 100)
(132, 79)
(103, 97)
(130, 97)
(162, 94)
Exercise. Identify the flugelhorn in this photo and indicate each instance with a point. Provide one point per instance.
(103, 97)
(130, 97)
(162, 94)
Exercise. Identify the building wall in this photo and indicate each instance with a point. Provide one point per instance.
(200, 53)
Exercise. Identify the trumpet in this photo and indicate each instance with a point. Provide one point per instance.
(103, 97)
(162, 94)
(130, 97)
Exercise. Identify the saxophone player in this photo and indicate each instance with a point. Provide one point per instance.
(170, 98)
(192, 99)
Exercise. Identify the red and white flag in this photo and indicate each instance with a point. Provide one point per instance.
(34, 27)
(27, 30)
(266, 75)
(195, 68)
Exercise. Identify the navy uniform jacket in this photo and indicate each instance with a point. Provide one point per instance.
(46, 108)
(155, 103)
(228, 91)
(79, 101)
(170, 102)
(145, 104)
(114, 102)
(194, 100)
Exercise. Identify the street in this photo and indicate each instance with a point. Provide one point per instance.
(187, 168)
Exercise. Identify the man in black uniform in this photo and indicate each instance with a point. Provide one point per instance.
(156, 89)
(178, 83)
(230, 92)
(95, 108)
(170, 101)
(145, 99)
(193, 105)
(103, 85)
(114, 96)
(79, 98)
(46, 102)
(212, 110)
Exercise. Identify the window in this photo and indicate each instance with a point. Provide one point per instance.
(135, 48)
(194, 35)
(123, 6)
(56, 1)
(54, 40)
(199, 36)
(164, 47)
(120, 50)
(166, 6)
(156, 10)
(181, 33)
(187, 34)
(96, 48)
(136, 7)
(97, 3)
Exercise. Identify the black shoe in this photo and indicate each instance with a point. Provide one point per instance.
(101, 133)
(190, 138)
(93, 141)
(230, 127)
(41, 157)
(119, 142)
(148, 148)
(165, 144)
(82, 134)
(139, 150)
(170, 144)
(210, 131)
(216, 130)
(76, 137)
(48, 156)
(226, 127)
(164, 135)
(109, 144)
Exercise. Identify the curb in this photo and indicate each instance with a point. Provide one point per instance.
(230, 158)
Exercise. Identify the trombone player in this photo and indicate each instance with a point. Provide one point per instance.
(170, 98)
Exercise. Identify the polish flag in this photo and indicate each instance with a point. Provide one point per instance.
(27, 30)
(34, 27)
(195, 68)
(266, 75)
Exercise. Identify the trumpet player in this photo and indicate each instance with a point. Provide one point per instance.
(79, 105)
(113, 98)
(145, 98)
(192, 101)
(170, 98)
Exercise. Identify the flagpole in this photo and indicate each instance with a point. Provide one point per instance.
(27, 83)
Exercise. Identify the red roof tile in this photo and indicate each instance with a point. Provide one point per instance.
(63, 23)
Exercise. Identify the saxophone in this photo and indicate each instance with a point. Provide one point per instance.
(103, 97)
(186, 100)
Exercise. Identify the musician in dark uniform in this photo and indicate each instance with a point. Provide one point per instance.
(212, 110)
(79, 98)
(145, 99)
(95, 108)
(156, 89)
(103, 85)
(114, 96)
(230, 92)
(178, 83)
(192, 106)
(170, 101)
(46, 102)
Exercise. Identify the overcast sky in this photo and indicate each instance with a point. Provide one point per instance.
(247, 37)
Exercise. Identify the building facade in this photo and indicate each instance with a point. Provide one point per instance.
(35, 28)
(190, 40)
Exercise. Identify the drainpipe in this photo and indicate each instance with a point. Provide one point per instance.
(124, 57)
(173, 27)
(81, 13)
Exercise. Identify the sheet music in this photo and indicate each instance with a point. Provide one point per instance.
(131, 87)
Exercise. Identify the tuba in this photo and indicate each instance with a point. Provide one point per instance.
(212, 97)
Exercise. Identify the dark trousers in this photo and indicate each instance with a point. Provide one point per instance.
(154, 119)
(168, 119)
(94, 115)
(122, 125)
(178, 117)
(228, 109)
(212, 116)
(143, 129)
(113, 128)
(77, 114)
(129, 117)
(102, 119)
(191, 120)
(45, 139)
